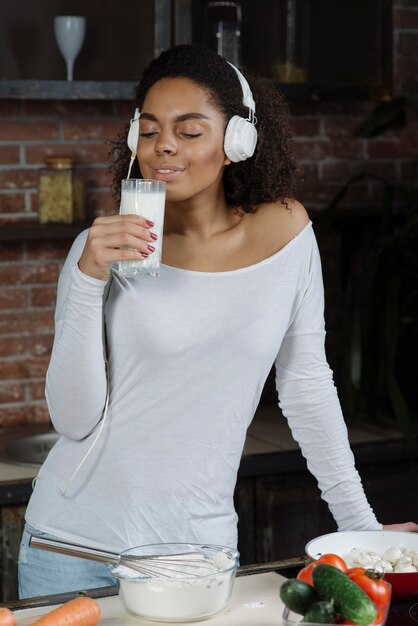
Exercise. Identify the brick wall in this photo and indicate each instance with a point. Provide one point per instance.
(324, 131)
(31, 130)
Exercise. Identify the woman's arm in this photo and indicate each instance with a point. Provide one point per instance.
(76, 378)
(309, 400)
(410, 527)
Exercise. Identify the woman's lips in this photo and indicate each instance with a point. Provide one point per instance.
(167, 173)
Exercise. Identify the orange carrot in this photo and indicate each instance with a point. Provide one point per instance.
(7, 617)
(78, 612)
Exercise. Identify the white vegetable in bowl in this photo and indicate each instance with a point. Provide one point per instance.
(394, 559)
(355, 555)
(414, 557)
(393, 555)
(383, 567)
(363, 558)
(401, 568)
(404, 560)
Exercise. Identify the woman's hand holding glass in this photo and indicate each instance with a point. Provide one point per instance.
(116, 238)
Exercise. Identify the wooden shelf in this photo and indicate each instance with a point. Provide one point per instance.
(112, 90)
(67, 90)
(21, 231)
(125, 90)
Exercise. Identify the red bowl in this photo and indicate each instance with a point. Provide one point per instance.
(403, 584)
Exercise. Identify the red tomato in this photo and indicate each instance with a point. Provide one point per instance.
(334, 560)
(355, 570)
(376, 588)
(305, 574)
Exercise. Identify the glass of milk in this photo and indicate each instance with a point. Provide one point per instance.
(145, 197)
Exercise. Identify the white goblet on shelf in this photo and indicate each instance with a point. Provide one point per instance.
(69, 31)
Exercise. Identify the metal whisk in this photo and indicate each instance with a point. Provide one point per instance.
(154, 565)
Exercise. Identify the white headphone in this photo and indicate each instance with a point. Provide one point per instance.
(240, 134)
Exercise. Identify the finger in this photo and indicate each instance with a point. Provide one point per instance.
(128, 217)
(126, 240)
(97, 258)
(119, 228)
(112, 256)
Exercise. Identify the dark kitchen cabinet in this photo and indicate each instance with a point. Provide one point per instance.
(280, 511)
(11, 527)
(120, 39)
(315, 49)
(321, 49)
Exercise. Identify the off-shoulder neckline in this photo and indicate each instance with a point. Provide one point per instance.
(247, 268)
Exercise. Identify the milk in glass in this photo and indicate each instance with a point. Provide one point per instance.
(147, 198)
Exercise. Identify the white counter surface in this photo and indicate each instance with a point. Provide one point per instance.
(255, 601)
(11, 472)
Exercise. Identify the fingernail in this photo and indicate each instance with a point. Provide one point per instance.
(154, 236)
(149, 223)
(151, 248)
(145, 255)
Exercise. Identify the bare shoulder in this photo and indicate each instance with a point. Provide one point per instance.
(278, 222)
(288, 214)
(272, 226)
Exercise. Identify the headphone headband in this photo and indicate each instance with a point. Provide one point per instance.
(247, 96)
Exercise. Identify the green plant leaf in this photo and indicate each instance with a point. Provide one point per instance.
(412, 103)
(382, 295)
(355, 352)
(404, 417)
(329, 213)
(386, 115)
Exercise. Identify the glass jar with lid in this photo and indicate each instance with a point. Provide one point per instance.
(224, 29)
(61, 191)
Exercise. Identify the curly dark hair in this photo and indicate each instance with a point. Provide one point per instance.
(272, 172)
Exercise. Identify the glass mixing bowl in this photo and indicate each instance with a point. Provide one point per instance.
(191, 587)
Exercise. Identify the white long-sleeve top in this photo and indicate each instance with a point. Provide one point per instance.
(189, 353)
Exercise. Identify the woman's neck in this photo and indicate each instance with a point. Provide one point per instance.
(199, 217)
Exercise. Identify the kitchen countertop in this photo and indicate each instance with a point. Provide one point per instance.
(255, 601)
(269, 432)
(10, 472)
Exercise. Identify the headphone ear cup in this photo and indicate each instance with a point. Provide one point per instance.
(133, 136)
(240, 139)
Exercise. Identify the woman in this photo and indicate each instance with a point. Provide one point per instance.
(240, 289)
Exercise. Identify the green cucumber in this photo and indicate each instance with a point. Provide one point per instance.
(349, 600)
(297, 595)
(320, 613)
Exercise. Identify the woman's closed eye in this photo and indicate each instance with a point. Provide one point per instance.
(190, 135)
(189, 131)
(150, 134)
